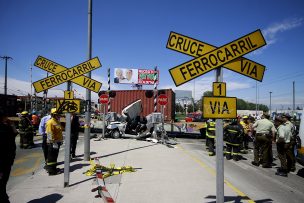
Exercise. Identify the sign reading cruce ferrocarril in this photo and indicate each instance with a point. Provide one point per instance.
(66, 75)
(54, 68)
(216, 57)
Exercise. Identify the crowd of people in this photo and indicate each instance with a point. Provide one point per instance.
(263, 132)
(51, 130)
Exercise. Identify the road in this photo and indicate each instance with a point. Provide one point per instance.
(255, 182)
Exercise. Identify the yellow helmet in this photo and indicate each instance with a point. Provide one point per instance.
(53, 111)
(245, 117)
(23, 113)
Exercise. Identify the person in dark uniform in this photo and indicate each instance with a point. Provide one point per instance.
(8, 133)
(233, 139)
(26, 131)
(74, 134)
(265, 133)
(210, 137)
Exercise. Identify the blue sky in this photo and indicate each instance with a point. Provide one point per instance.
(133, 34)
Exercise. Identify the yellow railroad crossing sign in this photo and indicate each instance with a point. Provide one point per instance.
(68, 94)
(219, 89)
(219, 107)
(209, 57)
(63, 74)
(68, 106)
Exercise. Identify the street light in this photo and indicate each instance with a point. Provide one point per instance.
(270, 104)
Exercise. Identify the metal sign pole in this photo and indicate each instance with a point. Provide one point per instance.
(104, 122)
(87, 129)
(67, 141)
(219, 150)
(163, 119)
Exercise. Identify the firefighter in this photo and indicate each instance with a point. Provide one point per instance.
(291, 159)
(233, 139)
(54, 140)
(245, 141)
(265, 132)
(26, 131)
(210, 137)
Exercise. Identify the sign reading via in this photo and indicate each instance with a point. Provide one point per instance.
(219, 107)
(196, 48)
(52, 67)
(219, 89)
(66, 75)
(217, 57)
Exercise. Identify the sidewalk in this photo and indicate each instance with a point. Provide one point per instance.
(163, 175)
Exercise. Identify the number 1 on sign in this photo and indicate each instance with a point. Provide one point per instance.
(219, 89)
(68, 95)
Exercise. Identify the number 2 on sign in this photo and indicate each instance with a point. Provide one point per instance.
(219, 89)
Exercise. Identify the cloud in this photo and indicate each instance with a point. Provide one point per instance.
(271, 33)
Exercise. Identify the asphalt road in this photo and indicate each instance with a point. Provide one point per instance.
(259, 184)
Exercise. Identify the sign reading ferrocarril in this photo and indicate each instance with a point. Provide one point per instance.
(216, 58)
(196, 48)
(53, 67)
(66, 75)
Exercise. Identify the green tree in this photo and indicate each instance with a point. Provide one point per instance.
(241, 104)
(208, 94)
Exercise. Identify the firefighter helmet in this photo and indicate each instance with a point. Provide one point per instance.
(23, 113)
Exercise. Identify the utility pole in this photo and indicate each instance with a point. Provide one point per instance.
(31, 68)
(88, 92)
(256, 98)
(270, 104)
(293, 97)
(5, 82)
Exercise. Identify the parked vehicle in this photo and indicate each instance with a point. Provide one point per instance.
(193, 117)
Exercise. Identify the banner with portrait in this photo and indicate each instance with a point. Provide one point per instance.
(135, 76)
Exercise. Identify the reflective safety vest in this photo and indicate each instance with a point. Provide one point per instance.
(246, 127)
(233, 134)
(210, 129)
(25, 126)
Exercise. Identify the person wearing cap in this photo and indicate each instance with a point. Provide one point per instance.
(233, 139)
(291, 159)
(265, 133)
(245, 141)
(8, 134)
(54, 140)
(26, 131)
(210, 137)
(283, 144)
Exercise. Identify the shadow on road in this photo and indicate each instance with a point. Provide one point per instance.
(125, 151)
(237, 199)
(301, 172)
(49, 198)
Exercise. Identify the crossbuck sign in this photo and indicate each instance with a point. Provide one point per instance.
(209, 57)
(63, 74)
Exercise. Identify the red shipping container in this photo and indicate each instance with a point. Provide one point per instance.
(125, 97)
